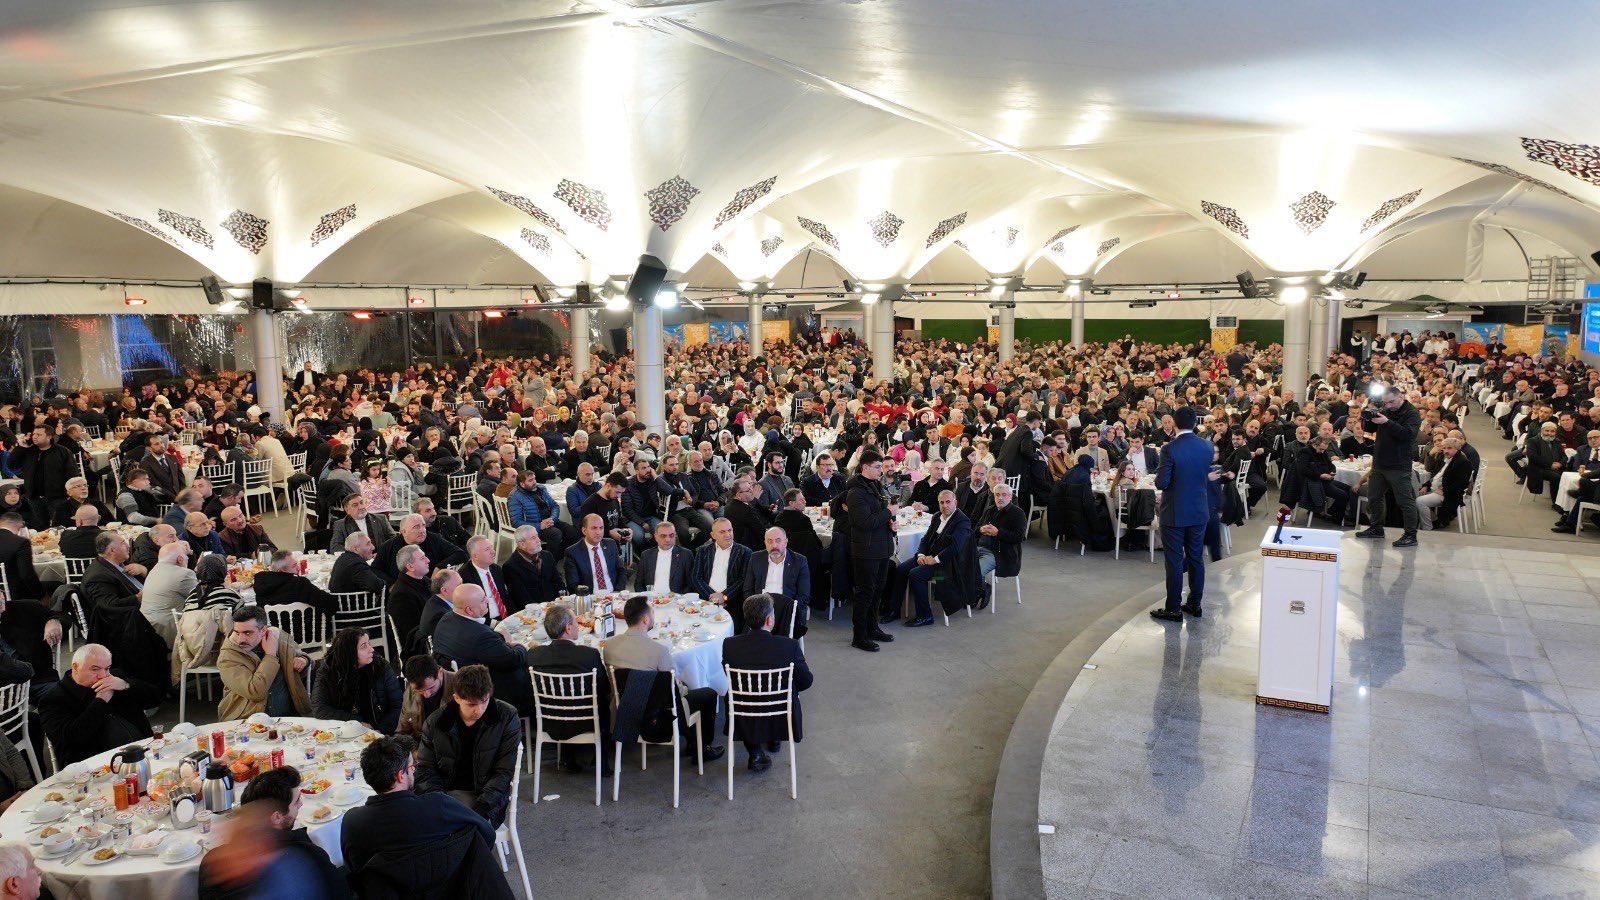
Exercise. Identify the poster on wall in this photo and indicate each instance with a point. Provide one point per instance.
(1524, 339)
(1555, 341)
(694, 334)
(1223, 339)
(1591, 327)
(721, 332)
(1477, 336)
(775, 329)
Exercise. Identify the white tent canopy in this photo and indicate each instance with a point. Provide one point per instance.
(532, 141)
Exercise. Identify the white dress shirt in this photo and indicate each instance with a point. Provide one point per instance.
(609, 582)
(1139, 463)
(663, 578)
(774, 583)
(719, 569)
(939, 528)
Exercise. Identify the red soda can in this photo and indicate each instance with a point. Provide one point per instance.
(217, 748)
(277, 758)
(133, 788)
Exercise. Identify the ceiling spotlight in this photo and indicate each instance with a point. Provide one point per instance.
(1355, 304)
(566, 293)
(748, 285)
(1359, 280)
(616, 303)
(667, 297)
(1294, 293)
(530, 301)
(134, 301)
(419, 301)
(1174, 294)
(1143, 304)
(492, 314)
(852, 287)
(230, 306)
(972, 293)
(869, 298)
(361, 314)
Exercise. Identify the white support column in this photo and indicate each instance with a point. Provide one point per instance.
(1296, 333)
(1317, 341)
(650, 392)
(1008, 327)
(881, 322)
(755, 327)
(579, 319)
(1077, 319)
(1335, 324)
(269, 364)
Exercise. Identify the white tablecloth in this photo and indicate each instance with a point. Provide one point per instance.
(52, 566)
(698, 662)
(148, 876)
(1350, 472)
(1569, 482)
(911, 526)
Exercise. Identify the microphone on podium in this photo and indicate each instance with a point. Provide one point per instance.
(1284, 513)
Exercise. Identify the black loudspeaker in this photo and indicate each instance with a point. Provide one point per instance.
(619, 340)
(647, 280)
(261, 293)
(1596, 257)
(213, 288)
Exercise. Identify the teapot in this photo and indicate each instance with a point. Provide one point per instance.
(131, 760)
(217, 788)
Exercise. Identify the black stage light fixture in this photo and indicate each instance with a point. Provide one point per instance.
(1247, 285)
(261, 293)
(647, 280)
(583, 293)
(1361, 278)
(215, 295)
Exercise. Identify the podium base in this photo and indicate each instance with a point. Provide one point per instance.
(1291, 704)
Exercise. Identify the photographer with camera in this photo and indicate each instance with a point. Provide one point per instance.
(1394, 422)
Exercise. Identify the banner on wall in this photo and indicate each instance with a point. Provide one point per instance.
(1574, 346)
(994, 334)
(775, 330)
(1223, 339)
(1477, 336)
(1524, 339)
(694, 334)
(1591, 327)
(1555, 341)
(719, 332)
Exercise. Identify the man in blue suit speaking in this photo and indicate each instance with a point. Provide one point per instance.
(1185, 509)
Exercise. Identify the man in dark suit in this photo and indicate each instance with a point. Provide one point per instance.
(414, 530)
(1185, 510)
(666, 566)
(352, 571)
(78, 541)
(1001, 533)
(972, 495)
(462, 637)
(166, 475)
(872, 546)
(759, 648)
(408, 596)
(719, 567)
(784, 574)
(802, 537)
(564, 657)
(282, 584)
(594, 548)
(939, 552)
(397, 817)
(16, 556)
(107, 580)
(825, 484)
(481, 569)
(356, 518)
(435, 607)
(1018, 451)
(750, 520)
(530, 573)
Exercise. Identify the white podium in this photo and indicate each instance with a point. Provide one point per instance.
(1299, 611)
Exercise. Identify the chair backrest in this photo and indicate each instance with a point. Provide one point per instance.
(122, 431)
(79, 619)
(92, 431)
(1014, 482)
(400, 496)
(221, 473)
(308, 493)
(759, 692)
(5, 586)
(482, 514)
(297, 461)
(364, 610)
(76, 566)
(461, 487)
(14, 711)
(564, 698)
(307, 627)
(257, 473)
(502, 514)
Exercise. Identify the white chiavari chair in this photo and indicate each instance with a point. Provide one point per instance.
(762, 694)
(564, 698)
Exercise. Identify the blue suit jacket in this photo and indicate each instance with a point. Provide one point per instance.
(796, 576)
(581, 571)
(1185, 497)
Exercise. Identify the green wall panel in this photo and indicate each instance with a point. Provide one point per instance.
(963, 330)
(1262, 331)
(1166, 331)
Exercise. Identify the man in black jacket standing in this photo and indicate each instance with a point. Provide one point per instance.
(872, 546)
(1396, 427)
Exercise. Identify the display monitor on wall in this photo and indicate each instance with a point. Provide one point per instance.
(1591, 327)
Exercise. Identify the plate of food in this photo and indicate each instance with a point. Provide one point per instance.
(346, 794)
(316, 787)
(180, 851)
(662, 600)
(55, 796)
(324, 736)
(101, 856)
(320, 814)
(48, 811)
(46, 833)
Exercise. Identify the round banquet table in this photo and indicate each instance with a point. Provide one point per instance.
(52, 566)
(1569, 482)
(100, 457)
(698, 660)
(319, 566)
(137, 877)
(1349, 472)
(910, 527)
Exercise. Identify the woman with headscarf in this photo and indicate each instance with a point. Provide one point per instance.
(207, 615)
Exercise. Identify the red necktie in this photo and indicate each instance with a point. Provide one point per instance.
(494, 594)
(599, 570)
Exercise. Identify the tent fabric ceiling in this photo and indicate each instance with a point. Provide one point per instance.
(558, 140)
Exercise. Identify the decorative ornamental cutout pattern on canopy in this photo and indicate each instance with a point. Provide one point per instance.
(145, 227)
(1227, 216)
(1311, 211)
(743, 199)
(885, 227)
(943, 229)
(248, 231)
(187, 226)
(718, 249)
(587, 202)
(1513, 173)
(818, 230)
(1581, 161)
(539, 242)
(1389, 208)
(528, 208)
(771, 245)
(669, 201)
(1106, 245)
(1011, 236)
(331, 223)
(1055, 239)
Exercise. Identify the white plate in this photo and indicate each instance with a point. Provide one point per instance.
(60, 850)
(180, 851)
(89, 860)
(346, 795)
(48, 811)
(132, 848)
